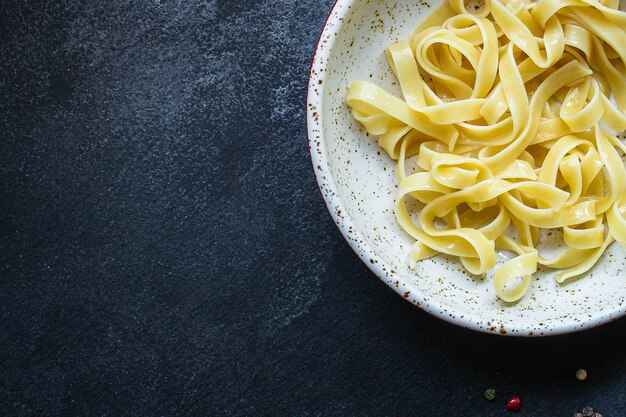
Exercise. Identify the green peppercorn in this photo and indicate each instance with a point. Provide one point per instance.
(490, 394)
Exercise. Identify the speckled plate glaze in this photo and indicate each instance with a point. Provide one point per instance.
(357, 182)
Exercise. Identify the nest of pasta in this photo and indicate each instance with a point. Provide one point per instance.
(508, 126)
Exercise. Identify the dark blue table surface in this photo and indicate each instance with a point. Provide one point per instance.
(164, 250)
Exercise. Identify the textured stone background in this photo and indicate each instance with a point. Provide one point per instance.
(164, 250)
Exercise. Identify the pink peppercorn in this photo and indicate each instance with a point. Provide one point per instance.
(514, 404)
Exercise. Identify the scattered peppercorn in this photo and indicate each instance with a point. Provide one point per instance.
(588, 412)
(514, 404)
(581, 374)
(490, 394)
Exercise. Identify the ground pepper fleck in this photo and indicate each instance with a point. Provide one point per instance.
(490, 394)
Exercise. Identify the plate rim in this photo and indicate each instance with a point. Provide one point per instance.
(326, 186)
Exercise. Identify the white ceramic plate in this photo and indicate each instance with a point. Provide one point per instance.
(357, 182)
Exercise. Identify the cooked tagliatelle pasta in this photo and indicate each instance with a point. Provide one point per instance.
(508, 126)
